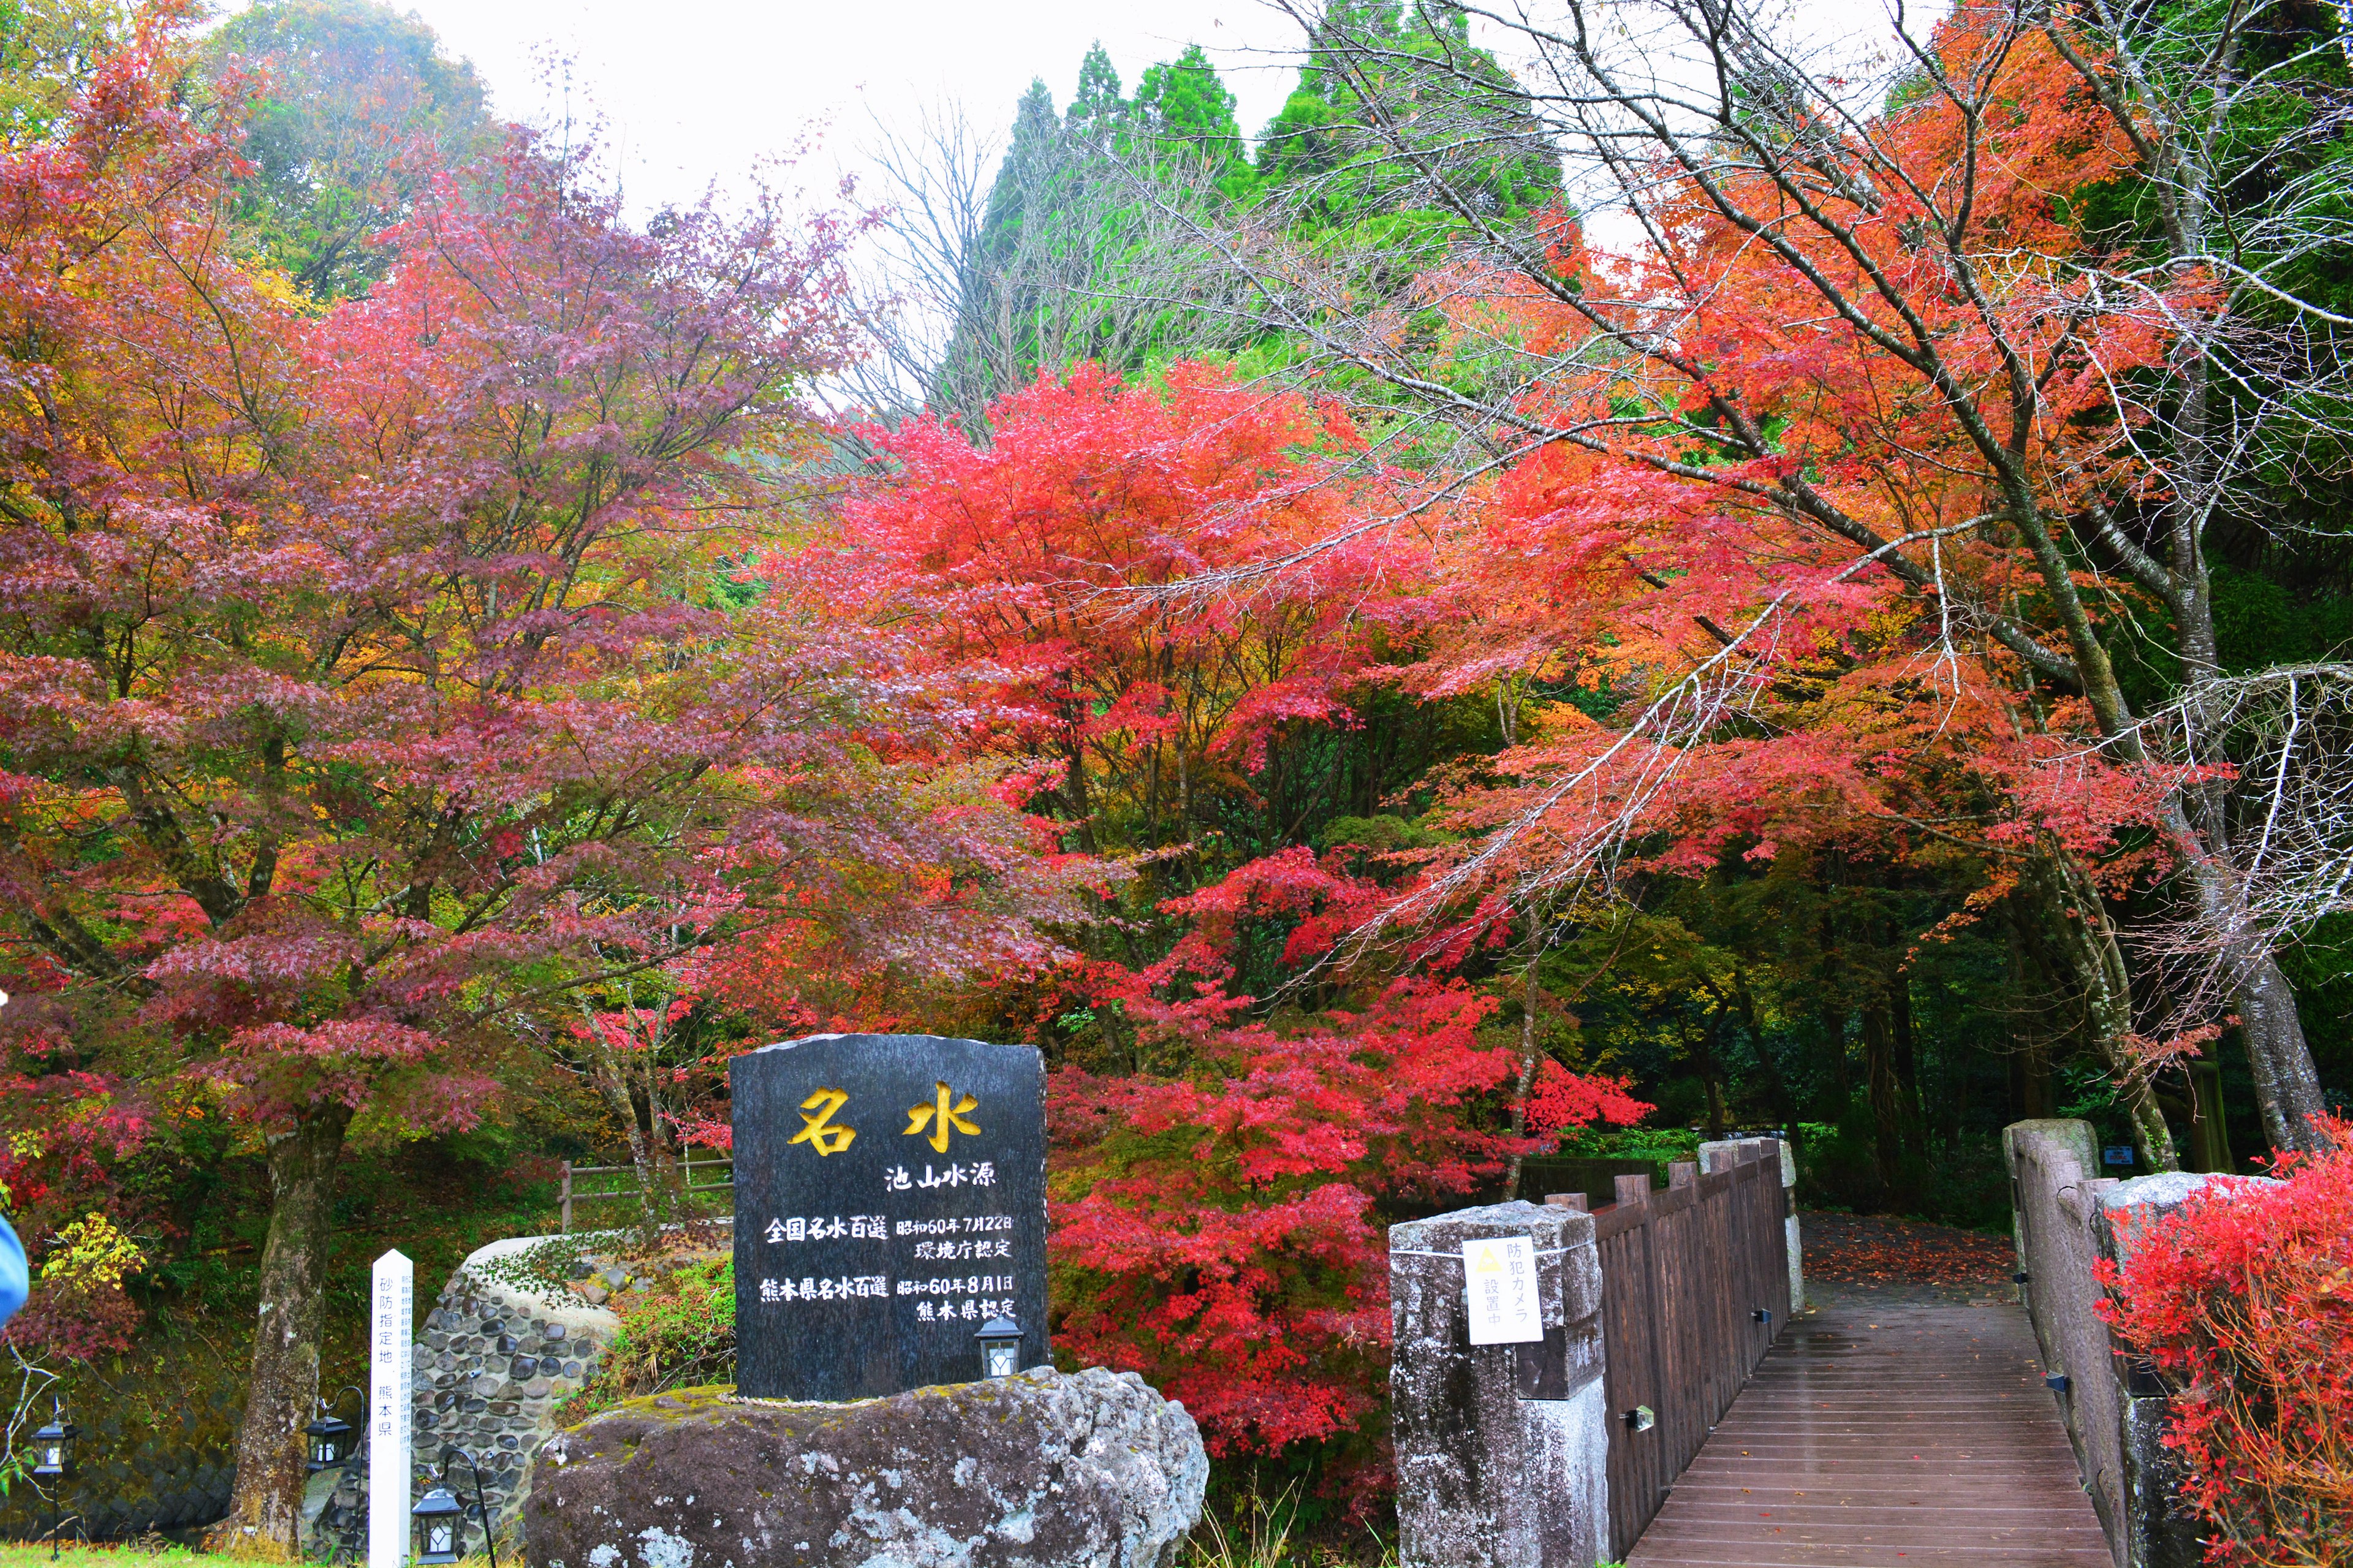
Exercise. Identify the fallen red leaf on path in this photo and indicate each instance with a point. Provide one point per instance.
(1870, 1250)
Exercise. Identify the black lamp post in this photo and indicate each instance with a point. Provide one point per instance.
(330, 1437)
(53, 1456)
(1000, 1347)
(453, 1452)
(437, 1516)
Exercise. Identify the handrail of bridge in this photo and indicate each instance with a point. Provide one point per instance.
(1685, 1275)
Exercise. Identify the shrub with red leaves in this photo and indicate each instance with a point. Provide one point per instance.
(1221, 1228)
(2243, 1300)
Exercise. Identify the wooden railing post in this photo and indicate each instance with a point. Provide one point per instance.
(1573, 1201)
(567, 1197)
(1632, 1189)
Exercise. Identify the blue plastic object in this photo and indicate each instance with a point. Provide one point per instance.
(15, 1277)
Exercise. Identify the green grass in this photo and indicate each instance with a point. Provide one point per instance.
(22, 1555)
(134, 1554)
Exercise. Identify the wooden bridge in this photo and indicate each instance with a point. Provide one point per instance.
(1889, 1426)
(1889, 1435)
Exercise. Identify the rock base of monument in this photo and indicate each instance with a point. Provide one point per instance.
(1043, 1470)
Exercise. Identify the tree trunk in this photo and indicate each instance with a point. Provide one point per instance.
(1887, 1101)
(2036, 1102)
(1529, 996)
(1907, 1055)
(1783, 1103)
(265, 1510)
(624, 1106)
(2030, 1055)
(2076, 924)
(2287, 1085)
(1839, 1070)
(1706, 1057)
(2210, 1142)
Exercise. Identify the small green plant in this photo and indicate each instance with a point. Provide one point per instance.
(545, 1270)
(1261, 1537)
(680, 1334)
(123, 1554)
(1660, 1143)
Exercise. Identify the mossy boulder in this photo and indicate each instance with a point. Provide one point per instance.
(1043, 1470)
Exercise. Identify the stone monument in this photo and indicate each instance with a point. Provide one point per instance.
(890, 1213)
(889, 1202)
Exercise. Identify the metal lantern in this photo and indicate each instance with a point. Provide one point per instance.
(440, 1538)
(53, 1447)
(330, 1440)
(1000, 1347)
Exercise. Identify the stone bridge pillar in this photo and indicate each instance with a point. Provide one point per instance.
(1501, 1450)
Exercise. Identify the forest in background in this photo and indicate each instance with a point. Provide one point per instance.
(1376, 683)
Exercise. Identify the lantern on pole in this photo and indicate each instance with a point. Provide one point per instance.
(53, 1464)
(438, 1514)
(330, 1438)
(53, 1446)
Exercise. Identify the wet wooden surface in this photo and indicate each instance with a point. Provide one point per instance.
(1885, 1433)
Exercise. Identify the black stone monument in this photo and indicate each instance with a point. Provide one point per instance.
(890, 1200)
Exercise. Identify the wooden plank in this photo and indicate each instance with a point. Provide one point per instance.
(1617, 1219)
(1626, 1325)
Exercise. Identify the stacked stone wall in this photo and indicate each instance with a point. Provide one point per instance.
(158, 1447)
(492, 1362)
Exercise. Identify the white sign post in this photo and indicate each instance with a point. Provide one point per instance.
(391, 1301)
(1501, 1273)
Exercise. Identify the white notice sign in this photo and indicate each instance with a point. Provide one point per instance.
(391, 1302)
(1501, 1275)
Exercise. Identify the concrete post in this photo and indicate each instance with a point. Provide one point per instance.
(1724, 1153)
(1501, 1450)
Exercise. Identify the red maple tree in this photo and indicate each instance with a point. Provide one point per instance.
(1225, 1165)
(379, 685)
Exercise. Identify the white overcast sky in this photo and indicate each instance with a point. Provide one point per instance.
(698, 89)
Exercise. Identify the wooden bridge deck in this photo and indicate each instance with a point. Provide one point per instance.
(1880, 1433)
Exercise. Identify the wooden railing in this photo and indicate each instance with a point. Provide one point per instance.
(571, 1195)
(1694, 1287)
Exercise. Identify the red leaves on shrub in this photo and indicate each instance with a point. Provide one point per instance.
(1222, 1228)
(2243, 1300)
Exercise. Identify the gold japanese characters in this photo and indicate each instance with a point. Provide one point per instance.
(945, 1115)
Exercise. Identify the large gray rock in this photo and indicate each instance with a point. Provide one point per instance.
(1043, 1470)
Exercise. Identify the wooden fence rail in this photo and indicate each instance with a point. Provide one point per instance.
(570, 1195)
(1694, 1287)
